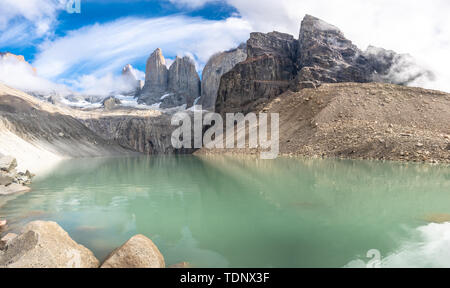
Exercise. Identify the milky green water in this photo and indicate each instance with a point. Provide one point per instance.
(243, 212)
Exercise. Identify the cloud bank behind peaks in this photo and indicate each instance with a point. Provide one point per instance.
(17, 73)
(104, 48)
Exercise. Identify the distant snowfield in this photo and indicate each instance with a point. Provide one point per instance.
(41, 155)
(126, 101)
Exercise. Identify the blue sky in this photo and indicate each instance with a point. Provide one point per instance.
(104, 11)
(82, 50)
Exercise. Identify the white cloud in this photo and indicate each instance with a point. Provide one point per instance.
(27, 20)
(192, 3)
(19, 74)
(103, 85)
(104, 48)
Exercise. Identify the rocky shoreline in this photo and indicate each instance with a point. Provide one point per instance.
(46, 245)
(370, 121)
(12, 181)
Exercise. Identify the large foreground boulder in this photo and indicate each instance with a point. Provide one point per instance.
(46, 245)
(138, 252)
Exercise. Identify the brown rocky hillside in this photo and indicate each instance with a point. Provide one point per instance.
(362, 121)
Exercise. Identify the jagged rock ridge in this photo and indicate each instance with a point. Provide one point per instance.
(176, 86)
(184, 83)
(277, 62)
(266, 73)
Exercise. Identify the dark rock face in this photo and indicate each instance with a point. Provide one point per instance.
(184, 83)
(156, 79)
(267, 72)
(325, 55)
(277, 62)
(148, 135)
(218, 65)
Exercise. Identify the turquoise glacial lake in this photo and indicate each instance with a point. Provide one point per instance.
(245, 212)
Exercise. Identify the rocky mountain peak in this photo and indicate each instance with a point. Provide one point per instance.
(324, 47)
(128, 72)
(20, 58)
(131, 81)
(273, 43)
(156, 79)
(316, 25)
(172, 87)
(8, 54)
(156, 69)
(183, 84)
(277, 62)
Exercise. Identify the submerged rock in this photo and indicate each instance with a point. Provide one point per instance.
(46, 245)
(138, 252)
(437, 218)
